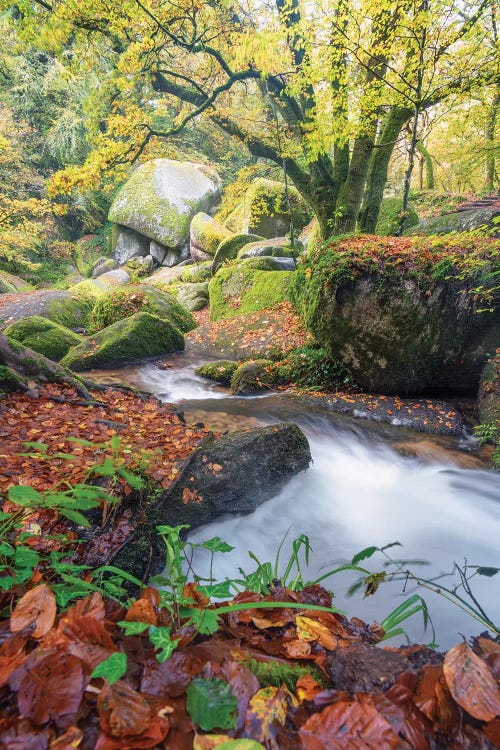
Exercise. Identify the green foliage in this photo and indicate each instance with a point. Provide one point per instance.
(112, 669)
(489, 432)
(212, 704)
(18, 560)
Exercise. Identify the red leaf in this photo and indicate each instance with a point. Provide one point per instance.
(471, 683)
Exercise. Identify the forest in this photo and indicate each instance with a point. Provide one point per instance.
(249, 375)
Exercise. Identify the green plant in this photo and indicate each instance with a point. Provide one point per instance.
(276, 673)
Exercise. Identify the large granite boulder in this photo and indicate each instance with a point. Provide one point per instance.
(141, 335)
(205, 236)
(460, 221)
(237, 290)
(158, 202)
(265, 210)
(43, 336)
(403, 323)
(232, 474)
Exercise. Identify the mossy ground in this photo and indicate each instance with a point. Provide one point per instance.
(140, 335)
(239, 290)
(43, 336)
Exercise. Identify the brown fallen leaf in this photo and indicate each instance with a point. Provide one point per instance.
(38, 607)
(471, 683)
(52, 688)
(310, 630)
(122, 710)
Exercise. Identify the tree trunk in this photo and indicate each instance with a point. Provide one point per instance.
(429, 167)
(490, 143)
(379, 164)
(351, 193)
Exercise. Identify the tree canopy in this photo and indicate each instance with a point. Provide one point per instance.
(322, 89)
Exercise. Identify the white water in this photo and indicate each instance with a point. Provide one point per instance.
(358, 493)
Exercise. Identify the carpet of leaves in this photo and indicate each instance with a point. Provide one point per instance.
(257, 334)
(50, 701)
(153, 437)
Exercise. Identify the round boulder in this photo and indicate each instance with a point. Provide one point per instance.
(205, 236)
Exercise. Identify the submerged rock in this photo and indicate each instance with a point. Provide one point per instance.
(140, 335)
(232, 474)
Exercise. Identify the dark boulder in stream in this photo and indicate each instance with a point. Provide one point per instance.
(232, 474)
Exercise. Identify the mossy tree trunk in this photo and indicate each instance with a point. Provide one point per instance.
(379, 165)
(491, 123)
(429, 167)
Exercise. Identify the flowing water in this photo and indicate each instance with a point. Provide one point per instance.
(360, 491)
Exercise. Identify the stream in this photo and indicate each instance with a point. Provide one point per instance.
(362, 489)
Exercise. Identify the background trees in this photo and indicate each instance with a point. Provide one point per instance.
(324, 89)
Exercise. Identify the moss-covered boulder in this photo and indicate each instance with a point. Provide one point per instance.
(460, 221)
(489, 391)
(19, 284)
(205, 236)
(104, 265)
(390, 215)
(125, 302)
(73, 310)
(43, 336)
(197, 272)
(140, 335)
(265, 210)
(237, 290)
(193, 296)
(268, 264)
(229, 248)
(277, 247)
(221, 371)
(403, 317)
(87, 252)
(160, 198)
(252, 377)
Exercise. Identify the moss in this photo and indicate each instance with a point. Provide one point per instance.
(310, 367)
(198, 272)
(140, 335)
(252, 377)
(221, 371)
(10, 381)
(43, 336)
(74, 311)
(390, 216)
(123, 302)
(277, 248)
(276, 674)
(229, 249)
(261, 264)
(239, 290)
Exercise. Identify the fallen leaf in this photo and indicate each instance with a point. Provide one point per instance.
(38, 607)
(310, 630)
(471, 683)
(122, 710)
(52, 688)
